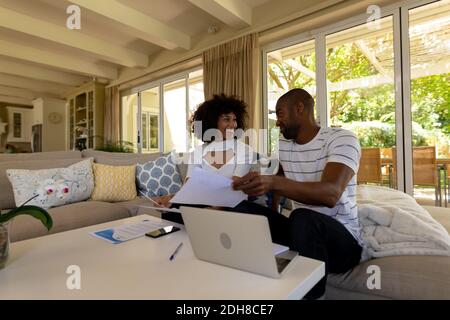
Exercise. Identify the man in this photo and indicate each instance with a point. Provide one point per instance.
(318, 167)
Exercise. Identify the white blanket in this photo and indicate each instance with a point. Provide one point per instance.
(394, 224)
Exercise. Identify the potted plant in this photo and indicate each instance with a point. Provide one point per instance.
(34, 211)
(117, 146)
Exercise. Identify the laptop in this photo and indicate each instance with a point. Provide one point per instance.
(237, 240)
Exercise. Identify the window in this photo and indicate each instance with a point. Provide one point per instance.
(150, 122)
(129, 123)
(393, 94)
(361, 95)
(288, 68)
(155, 117)
(429, 47)
(17, 125)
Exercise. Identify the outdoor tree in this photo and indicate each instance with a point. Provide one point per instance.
(370, 109)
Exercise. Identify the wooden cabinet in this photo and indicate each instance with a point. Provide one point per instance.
(85, 116)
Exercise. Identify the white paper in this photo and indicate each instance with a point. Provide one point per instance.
(208, 188)
(161, 208)
(128, 231)
(278, 248)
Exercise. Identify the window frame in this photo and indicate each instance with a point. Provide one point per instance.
(160, 83)
(402, 77)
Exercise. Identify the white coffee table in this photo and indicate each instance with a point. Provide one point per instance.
(138, 269)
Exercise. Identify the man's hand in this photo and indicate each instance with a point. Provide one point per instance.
(254, 184)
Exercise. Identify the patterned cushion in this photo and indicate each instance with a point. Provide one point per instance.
(114, 183)
(54, 187)
(159, 177)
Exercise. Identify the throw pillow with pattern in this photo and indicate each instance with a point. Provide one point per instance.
(53, 187)
(159, 177)
(114, 183)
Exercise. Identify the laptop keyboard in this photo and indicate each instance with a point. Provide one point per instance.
(281, 263)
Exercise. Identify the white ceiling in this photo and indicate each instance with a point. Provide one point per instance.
(37, 48)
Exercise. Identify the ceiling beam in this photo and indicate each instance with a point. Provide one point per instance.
(147, 28)
(15, 100)
(18, 93)
(235, 13)
(60, 34)
(39, 73)
(370, 55)
(27, 53)
(34, 85)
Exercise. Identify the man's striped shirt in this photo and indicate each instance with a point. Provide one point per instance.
(306, 162)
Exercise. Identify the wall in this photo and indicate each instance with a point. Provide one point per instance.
(53, 134)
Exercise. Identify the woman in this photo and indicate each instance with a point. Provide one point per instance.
(218, 122)
(215, 123)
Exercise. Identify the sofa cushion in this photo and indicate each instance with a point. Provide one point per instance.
(159, 177)
(7, 194)
(68, 217)
(133, 208)
(442, 215)
(118, 158)
(50, 155)
(402, 277)
(114, 183)
(54, 187)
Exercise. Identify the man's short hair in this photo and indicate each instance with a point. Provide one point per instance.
(294, 96)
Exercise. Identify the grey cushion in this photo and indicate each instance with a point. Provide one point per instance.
(132, 205)
(402, 277)
(68, 217)
(118, 158)
(7, 194)
(182, 169)
(159, 177)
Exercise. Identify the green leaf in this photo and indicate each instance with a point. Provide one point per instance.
(34, 211)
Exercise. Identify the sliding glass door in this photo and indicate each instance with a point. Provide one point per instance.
(155, 117)
(175, 125)
(386, 80)
(429, 55)
(150, 111)
(287, 68)
(129, 120)
(361, 95)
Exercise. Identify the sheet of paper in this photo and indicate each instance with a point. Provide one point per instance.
(128, 232)
(208, 188)
(278, 248)
(161, 208)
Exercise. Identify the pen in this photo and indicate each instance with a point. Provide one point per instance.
(176, 251)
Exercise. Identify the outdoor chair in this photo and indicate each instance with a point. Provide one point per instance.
(370, 166)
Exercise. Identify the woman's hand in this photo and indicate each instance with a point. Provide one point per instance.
(164, 201)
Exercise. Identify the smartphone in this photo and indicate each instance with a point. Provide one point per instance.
(162, 231)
